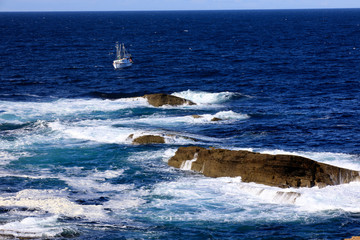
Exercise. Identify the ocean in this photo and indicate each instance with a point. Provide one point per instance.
(282, 81)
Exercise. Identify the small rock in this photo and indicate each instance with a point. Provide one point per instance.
(161, 99)
(215, 119)
(149, 139)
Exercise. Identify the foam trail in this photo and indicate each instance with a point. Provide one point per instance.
(20, 112)
(95, 181)
(202, 97)
(156, 120)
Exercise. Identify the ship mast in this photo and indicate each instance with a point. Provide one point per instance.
(118, 51)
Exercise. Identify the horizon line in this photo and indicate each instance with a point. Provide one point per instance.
(181, 10)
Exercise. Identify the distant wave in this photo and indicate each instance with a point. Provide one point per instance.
(202, 97)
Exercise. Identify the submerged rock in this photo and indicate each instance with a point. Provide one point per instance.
(160, 99)
(273, 170)
(148, 139)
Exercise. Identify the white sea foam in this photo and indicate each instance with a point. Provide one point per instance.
(32, 227)
(213, 199)
(90, 185)
(19, 112)
(37, 133)
(127, 200)
(6, 157)
(230, 199)
(52, 201)
(94, 181)
(163, 120)
(345, 197)
(102, 132)
(201, 97)
(168, 154)
(108, 174)
(224, 115)
(90, 132)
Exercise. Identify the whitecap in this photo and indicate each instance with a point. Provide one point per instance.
(32, 227)
(229, 115)
(201, 97)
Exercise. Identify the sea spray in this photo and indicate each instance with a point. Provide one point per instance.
(202, 97)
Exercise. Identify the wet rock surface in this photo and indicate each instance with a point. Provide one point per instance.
(161, 99)
(148, 139)
(273, 170)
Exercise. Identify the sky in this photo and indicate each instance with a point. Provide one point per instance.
(134, 5)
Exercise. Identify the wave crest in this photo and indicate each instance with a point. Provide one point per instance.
(201, 97)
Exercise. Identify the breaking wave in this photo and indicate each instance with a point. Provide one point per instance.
(201, 97)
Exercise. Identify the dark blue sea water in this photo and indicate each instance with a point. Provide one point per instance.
(282, 81)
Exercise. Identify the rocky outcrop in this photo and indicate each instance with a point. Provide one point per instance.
(273, 170)
(148, 139)
(161, 99)
(353, 238)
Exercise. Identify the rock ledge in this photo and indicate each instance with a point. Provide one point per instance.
(273, 170)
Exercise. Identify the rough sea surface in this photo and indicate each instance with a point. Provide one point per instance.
(282, 81)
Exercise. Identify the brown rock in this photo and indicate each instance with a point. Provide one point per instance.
(215, 119)
(160, 99)
(130, 137)
(149, 139)
(197, 116)
(273, 170)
